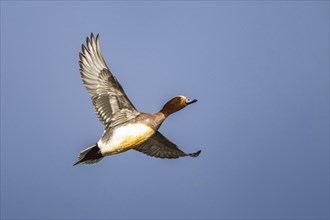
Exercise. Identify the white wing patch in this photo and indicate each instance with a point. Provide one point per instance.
(125, 138)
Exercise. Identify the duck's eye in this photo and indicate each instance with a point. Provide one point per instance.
(178, 99)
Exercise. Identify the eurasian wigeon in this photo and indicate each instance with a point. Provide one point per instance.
(125, 127)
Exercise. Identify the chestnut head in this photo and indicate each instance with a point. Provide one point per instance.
(176, 104)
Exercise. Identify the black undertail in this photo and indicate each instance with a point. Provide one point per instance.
(90, 155)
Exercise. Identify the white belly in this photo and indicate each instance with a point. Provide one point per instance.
(125, 138)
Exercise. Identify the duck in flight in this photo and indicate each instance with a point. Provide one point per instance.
(125, 127)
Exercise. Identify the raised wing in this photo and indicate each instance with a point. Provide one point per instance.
(111, 104)
(160, 146)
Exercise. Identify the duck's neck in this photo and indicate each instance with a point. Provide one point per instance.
(160, 117)
(157, 121)
(166, 112)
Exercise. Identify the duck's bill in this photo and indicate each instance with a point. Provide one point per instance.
(191, 101)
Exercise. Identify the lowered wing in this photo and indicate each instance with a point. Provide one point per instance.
(159, 146)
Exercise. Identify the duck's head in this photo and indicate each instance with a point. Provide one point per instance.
(176, 104)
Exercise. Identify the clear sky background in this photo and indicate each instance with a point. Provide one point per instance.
(260, 71)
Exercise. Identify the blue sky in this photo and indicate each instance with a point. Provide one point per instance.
(260, 71)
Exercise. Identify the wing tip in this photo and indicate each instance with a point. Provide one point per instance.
(92, 38)
(196, 154)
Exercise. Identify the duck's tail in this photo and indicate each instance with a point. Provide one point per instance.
(90, 155)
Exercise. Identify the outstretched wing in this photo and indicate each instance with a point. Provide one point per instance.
(160, 146)
(111, 104)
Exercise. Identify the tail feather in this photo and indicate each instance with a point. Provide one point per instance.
(90, 155)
